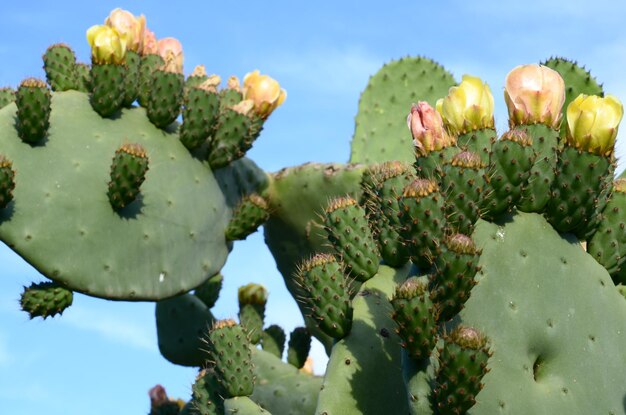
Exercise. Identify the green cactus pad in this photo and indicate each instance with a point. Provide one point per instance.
(415, 317)
(273, 340)
(580, 178)
(298, 347)
(33, 110)
(209, 291)
(128, 172)
(206, 394)
(479, 142)
(230, 355)
(423, 220)
(509, 169)
(567, 349)
(242, 405)
(7, 181)
(364, 374)
(381, 133)
(63, 224)
(182, 323)
(608, 245)
(577, 81)
(149, 64)
(251, 213)
(131, 79)
(59, 62)
(7, 96)
(327, 294)
(462, 365)
(45, 299)
(252, 300)
(281, 388)
(199, 116)
(536, 194)
(166, 96)
(453, 280)
(107, 88)
(348, 231)
(383, 207)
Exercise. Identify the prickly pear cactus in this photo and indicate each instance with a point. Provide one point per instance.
(455, 285)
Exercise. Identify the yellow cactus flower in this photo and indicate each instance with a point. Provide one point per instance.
(127, 24)
(467, 107)
(593, 122)
(534, 94)
(426, 126)
(264, 91)
(107, 45)
(171, 51)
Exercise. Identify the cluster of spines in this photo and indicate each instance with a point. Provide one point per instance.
(45, 299)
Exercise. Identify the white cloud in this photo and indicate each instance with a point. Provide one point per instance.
(114, 328)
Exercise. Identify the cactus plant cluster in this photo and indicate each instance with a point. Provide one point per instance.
(447, 269)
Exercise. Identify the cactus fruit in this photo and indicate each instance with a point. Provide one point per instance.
(107, 88)
(273, 340)
(327, 294)
(414, 313)
(299, 347)
(349, 233)
(33, 110)
(7, 181)
(165, 98)
(7, 96)
(128, 171)
(59, 62)
(231, 359)
(252, 300)
(149, 63)
(45, 299)
(463, 360)
(199, 114)
(251, 213)
(206, 394)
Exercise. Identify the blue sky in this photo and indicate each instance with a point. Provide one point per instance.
(101, 357)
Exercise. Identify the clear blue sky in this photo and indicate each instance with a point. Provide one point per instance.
(101, 357)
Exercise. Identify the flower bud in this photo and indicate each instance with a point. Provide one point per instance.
(426, 126)
(467, 107)
(264, 91)
(244, 107)
(592, 123)
(534, 94)
(211, 83)
(129, 26)
(233, 83)
(150, 45)
(171, 51)
(107, 45)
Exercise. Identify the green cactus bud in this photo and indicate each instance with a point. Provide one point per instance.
(33, 110)
(509, 169)
(7, 181)
(7, 96)
(235, 131)
(298, 347)
(230, 354)
(199, 114)
(455, 269)
(327, 294)
(45, 299)
(273, 340)
(423, 220)
(251, 213)
(59, 62)
(107, 93)
(209, 291)
(252, 300)
(131, 78)
(463, 363)
(165, 99)
(414, 313)
(83, 73)
(348, 231)
(463, 184)
(149, 63)
(206, 394)
(128, 171)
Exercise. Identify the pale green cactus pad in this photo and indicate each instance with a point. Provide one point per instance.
(165, 243)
